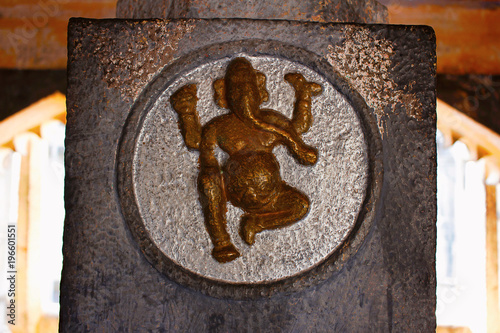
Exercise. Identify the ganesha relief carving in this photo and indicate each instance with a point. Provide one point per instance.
(250, 178)
(244, 168)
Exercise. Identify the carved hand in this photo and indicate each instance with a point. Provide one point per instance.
(184, 100)
(303, 88)
(184, 103)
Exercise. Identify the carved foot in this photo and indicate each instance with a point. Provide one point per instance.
(225, 253)
(308, 155)
(249, 227)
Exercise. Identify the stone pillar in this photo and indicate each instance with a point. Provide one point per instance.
(359, 11)
(350, 112)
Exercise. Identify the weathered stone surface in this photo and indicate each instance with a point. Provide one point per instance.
(388, 284)
(359, 11)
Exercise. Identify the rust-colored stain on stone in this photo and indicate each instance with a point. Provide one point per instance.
(363, 60)
(159, 42)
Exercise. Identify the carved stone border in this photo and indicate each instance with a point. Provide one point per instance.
(215, 288)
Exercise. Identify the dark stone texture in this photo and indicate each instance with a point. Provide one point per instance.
(358, 11)
(388, 285)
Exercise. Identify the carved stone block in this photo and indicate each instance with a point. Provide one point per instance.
(244, 175)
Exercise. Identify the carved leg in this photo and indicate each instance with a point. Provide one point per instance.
(213, 201)
(290, 206)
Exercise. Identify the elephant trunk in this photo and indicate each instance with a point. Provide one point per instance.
(305, 154)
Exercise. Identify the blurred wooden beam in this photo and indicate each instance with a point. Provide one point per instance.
(492, 306)
(467, 31)
(447, 329)
(33, 32)
(30, 119)
(28, 290)
(457, 126)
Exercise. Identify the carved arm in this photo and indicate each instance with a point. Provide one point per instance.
(184, 103)
(304, 90)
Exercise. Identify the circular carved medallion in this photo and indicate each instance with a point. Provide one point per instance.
(157, 181)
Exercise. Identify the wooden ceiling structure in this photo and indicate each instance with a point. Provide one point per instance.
(467, 31)
(33, 32)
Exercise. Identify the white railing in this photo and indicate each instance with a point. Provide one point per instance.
(32, 178)
(468, 178)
